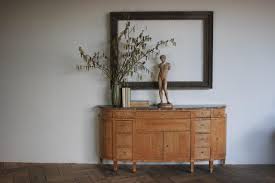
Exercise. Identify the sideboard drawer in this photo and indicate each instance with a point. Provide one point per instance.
(106, 114)
(202, 126)
(204, 113)
(124, 153)
(202, 140)
(124, 126)
(202, 153)
(218, 113)
(124, 140)
(163, 114)
(163, 125)
(124, 114)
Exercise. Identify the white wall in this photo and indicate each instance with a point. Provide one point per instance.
(47, 107)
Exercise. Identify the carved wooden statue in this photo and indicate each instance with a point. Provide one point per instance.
(164, 67)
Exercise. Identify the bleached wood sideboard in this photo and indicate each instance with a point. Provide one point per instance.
(183, 134)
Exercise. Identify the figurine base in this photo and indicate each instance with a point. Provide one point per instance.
(165, 105)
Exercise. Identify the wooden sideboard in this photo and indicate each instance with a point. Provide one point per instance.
(182, 134)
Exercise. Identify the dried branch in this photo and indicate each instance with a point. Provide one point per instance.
(132, 57)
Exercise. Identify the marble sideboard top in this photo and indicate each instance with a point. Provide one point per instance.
(175, 107)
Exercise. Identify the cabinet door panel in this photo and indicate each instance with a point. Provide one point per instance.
(218, 132)
(148, 146)
(176, 146)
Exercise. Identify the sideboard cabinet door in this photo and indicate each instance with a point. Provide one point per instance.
(218, 131)
(148, 146)
(177, 146)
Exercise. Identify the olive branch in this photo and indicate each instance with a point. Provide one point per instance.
(131, 51)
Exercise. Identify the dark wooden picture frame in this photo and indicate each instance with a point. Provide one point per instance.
(205, 16)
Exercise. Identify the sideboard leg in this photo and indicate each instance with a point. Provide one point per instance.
(100, 161)
(115, 165)
(134, 168)
(192, 164)
(211, 166)
(223, 162)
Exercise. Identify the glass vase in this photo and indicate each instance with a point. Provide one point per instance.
(116, 95)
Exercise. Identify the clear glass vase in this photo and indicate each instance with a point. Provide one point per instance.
(116, 95)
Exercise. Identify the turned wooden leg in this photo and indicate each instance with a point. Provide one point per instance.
(192, 164)
(211, 166)
(100, 161)
(134, 168)
(223, 162)
(115, 166)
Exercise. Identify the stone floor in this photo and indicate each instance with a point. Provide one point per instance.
(76, 173)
